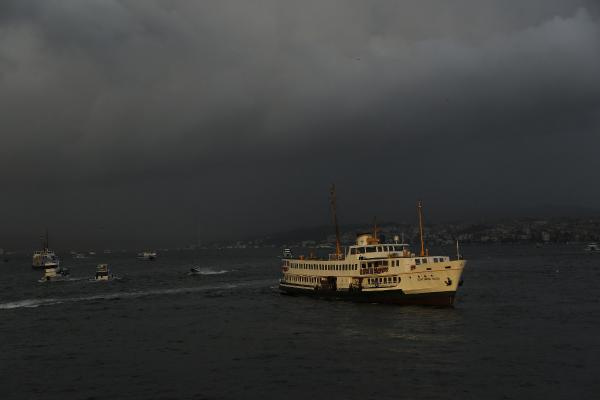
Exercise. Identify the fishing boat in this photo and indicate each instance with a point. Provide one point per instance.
(103, 274)
(375, 272)
(45, 258)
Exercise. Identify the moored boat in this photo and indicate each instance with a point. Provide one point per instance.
(375, 272)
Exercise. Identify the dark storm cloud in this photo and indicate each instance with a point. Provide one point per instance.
(224, 106)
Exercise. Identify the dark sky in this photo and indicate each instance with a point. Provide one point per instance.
(130, 123)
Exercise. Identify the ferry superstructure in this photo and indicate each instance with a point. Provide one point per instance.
(375, 272)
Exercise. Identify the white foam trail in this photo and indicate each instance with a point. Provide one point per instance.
(28, 303)
(208, 272)
(33, 303)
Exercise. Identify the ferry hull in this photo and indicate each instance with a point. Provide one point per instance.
(398, 297)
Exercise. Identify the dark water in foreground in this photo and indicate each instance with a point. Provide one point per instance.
(526, 324)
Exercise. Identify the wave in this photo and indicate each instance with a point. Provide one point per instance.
(28, 303)
(34, 303)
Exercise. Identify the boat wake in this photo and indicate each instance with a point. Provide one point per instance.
(206, 271)
(34, 303)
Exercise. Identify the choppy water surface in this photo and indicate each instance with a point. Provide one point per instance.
(526, 324)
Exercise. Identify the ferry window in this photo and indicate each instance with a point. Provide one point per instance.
(360, 250)
(371, 249)
(397, 263)
(417, 261)
(353, 251)
(379, 248)
(424, 261)
(394, 279)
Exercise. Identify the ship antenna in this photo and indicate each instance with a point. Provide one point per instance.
(420, 212)
(332, 201)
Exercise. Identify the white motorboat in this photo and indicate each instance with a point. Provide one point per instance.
(103, 274)
(592, 247)
(52, 274)
(147, 255)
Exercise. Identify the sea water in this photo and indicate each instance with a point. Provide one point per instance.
(526, 324)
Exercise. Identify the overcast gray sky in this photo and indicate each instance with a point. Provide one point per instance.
(145, 122)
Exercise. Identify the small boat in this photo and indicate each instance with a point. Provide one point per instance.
(592, 247)
(79, 256)
(147, 255)
(103, 274)
(52, 274)
(195, 271)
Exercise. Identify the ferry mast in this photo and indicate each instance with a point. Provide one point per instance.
(420, 212)
(332, 201)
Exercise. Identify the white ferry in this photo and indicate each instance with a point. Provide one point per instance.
(375, 272)
(45, 258)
